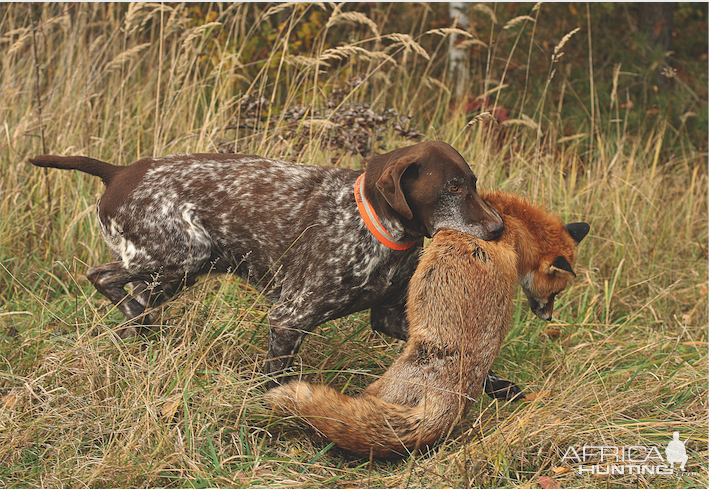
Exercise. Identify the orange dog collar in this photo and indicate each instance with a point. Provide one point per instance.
(369, 216)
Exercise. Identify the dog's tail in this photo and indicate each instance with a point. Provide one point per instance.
(105, 171)
(366, 424)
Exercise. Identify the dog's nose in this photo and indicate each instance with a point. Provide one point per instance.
(495, 228)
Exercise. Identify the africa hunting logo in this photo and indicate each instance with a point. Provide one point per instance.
(622, 460)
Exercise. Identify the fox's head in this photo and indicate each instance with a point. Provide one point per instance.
(545, 247)
(553, 274)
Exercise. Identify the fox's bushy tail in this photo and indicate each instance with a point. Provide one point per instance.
(105, 171)
(365, 424)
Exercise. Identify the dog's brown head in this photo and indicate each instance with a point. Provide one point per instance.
(429, 187)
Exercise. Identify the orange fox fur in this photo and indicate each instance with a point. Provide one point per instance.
(546, 248)
(458, 308)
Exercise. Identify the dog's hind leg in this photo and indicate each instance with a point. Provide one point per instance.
(110, 280)
(154, 294)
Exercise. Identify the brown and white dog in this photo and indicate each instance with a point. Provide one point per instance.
(300, 233)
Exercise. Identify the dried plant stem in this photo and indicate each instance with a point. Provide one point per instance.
(39, 117)
(156, 129)
(593, 87)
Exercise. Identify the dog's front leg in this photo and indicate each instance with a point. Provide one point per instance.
(390, 320)
(288, 326)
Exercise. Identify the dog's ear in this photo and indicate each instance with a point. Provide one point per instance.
(389, 185)
(578, 230)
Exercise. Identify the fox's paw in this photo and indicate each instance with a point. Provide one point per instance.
(498, 388)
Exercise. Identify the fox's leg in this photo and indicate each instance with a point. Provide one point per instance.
(498, 388)
(392, 321)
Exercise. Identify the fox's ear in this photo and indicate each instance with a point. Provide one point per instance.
(561, 264)
(578, 230)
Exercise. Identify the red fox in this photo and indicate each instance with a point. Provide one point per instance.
(458, 308)
(546, 249)
(453, 341)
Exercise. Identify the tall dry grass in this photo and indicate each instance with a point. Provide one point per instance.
(624, 363)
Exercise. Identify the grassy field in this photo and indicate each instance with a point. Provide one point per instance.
(623, 364)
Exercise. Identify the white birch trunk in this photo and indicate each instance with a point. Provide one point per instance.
(457, 55)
